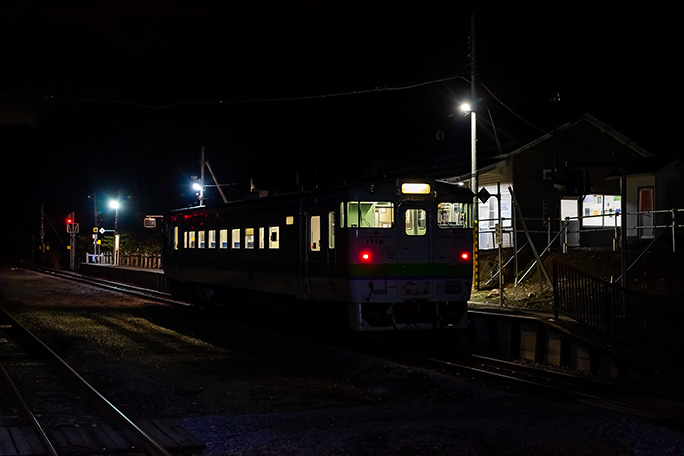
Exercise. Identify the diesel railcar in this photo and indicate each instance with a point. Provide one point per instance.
(393, 253)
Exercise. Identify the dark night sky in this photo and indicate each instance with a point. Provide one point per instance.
(121, 96)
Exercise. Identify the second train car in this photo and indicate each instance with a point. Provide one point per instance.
(393, 253)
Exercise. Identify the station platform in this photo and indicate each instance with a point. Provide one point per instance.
(147, 278)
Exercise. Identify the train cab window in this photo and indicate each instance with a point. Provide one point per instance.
(201, 239)
(223, 239)
(415, 222)
(273, 237)
(212, 239)
(455, 215)
(370, 214)
(235, 238)
(175, 238)
(249, 238)
(331, 229)
(262, 237)
(315, 233)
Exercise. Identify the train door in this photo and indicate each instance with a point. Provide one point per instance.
(331, 252)
(415, 251)
(171, 252)
(316, 256)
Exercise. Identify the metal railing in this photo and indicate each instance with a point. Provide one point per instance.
(136, 260)
(624, 315)
(548, 224)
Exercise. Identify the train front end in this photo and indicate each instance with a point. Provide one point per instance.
(409, 255)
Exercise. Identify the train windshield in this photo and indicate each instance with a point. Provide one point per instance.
(455, 215)
(367, 214)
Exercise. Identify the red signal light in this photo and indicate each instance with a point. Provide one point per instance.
(365, 256)
(465, 256)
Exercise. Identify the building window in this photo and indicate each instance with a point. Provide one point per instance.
(601, 210)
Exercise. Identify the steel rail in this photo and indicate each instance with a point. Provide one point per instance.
(40, 432)
(596, 399)
(152, 445)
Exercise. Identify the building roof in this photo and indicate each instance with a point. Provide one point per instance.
(588, 118)
(500, 160)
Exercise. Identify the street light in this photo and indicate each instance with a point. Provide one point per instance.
(468, 109)
(114, 204)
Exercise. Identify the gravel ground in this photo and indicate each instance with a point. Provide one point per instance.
(249, 391)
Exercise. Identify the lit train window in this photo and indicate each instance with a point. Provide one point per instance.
(192, 239)
(370, 214)
(212, 239)
(273, 237)
(415, 221)
(200, 239)
(185, 239)
(249, 238)
(175, 238)
(455, 215)
(223, 239)
(331, 229)
(262, 237)
(235, 237)
(315, 233)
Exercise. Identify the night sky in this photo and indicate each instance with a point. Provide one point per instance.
(118, 98)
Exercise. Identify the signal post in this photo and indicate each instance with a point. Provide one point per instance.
(72, 229)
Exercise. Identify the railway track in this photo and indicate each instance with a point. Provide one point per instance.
(47, 408)
(622, 398)
(107, 284)
(615, 396)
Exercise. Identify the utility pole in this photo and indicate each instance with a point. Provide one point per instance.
(473, 155)
(201, 195)
(42, 229)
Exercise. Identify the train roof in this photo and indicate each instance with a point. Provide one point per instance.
(370, 189)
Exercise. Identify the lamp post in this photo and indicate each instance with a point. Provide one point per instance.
(116, 205)
(468, 110)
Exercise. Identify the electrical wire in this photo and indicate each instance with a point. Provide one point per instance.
(242, 101)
